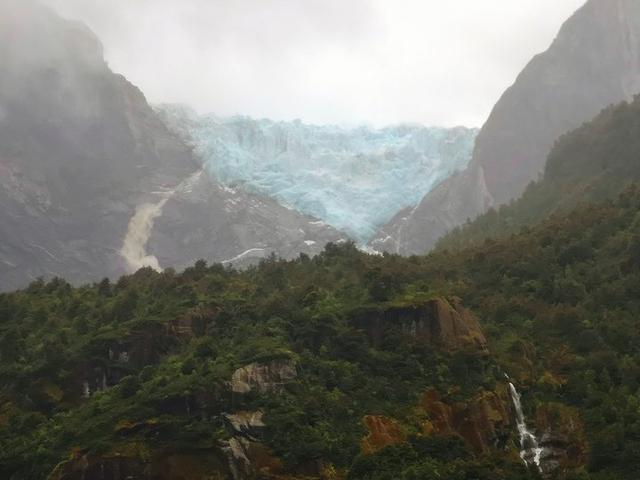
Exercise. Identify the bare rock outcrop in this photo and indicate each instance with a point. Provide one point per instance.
(592, 63)
(268, 377)
(381, 432)
(440, 323)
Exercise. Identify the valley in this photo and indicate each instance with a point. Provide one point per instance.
(191, 297)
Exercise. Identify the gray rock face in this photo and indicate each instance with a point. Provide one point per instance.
(249, 424)
(225, 225)
(78, 147)
(264, 378)
(415, 231)
(81, 150)
(593, 62)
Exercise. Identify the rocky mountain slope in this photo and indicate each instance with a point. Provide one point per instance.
(344, 366)
(354, 179)
(595, 162)
(515, 357)
(593, 62)
(81, 152)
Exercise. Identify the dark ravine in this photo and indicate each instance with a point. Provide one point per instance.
(593, 62)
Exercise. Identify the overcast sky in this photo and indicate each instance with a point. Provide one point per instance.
(437, 62)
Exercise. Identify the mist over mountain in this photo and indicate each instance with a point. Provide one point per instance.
(283, 349)
(593, 62)
(354, 179)
(84, 159)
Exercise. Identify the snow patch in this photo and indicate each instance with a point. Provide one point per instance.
(243, 255)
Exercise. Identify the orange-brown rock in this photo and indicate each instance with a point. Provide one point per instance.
(381, 432)
(484, 421)
(440, 415)
(439, 322)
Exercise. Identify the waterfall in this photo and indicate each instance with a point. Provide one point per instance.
(134, 247)
(530, 451)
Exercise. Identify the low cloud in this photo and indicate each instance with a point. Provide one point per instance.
(325, 61)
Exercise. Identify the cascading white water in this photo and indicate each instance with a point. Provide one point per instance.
(134, 247)
(530, 450)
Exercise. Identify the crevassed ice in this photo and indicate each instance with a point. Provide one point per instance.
(354, 179)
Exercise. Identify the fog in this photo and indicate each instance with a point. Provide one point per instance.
(325, 61)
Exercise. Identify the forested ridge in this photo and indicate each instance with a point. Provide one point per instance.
(557, 303)
(349, 365)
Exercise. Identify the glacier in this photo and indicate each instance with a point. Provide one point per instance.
(354, 179)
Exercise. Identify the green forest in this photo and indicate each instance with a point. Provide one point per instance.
(323, 367)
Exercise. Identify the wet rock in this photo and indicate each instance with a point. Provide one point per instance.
(264, 377)
(248, 460)
(248, 424)
(563, 437)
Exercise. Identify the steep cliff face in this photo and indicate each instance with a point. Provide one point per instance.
(78, 144)
(381, 433)
(87, 169)
(439, 323)
(264, 378)
(593, 62)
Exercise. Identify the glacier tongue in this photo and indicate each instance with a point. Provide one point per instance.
(354, 179)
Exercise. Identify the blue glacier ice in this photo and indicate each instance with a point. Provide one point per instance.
(354, 179)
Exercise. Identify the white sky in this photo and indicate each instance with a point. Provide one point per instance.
(437, 62)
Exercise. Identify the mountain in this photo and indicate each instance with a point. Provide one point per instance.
(595, 162)
(83, 157)
(513, 357)
(593, 62)
(349, 366)
(354, 179)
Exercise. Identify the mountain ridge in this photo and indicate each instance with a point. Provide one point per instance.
(81, 150)
(353, 178)
(592, 63)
